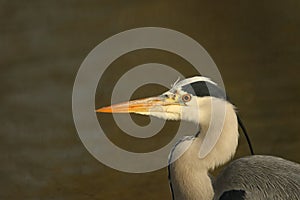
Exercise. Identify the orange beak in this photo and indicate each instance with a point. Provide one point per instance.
(141, 106)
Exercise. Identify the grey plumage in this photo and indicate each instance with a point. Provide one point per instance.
(261, 177)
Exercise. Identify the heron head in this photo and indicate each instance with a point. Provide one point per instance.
(184, 101)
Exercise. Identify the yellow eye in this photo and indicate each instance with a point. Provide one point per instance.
(186, 97)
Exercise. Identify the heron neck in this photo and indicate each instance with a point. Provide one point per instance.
(189, 174)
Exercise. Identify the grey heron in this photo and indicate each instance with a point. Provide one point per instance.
(252, 177)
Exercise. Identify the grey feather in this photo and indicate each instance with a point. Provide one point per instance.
(261, 177)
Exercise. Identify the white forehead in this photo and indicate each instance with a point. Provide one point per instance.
(181, 83)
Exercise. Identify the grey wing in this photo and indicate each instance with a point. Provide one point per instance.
(260, 177)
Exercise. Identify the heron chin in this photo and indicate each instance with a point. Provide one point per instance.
(201, 101)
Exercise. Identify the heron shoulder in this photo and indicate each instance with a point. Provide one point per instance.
(261, 177)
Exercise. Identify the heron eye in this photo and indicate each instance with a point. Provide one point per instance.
(186, 97)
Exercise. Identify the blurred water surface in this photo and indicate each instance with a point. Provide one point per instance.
(255, 44)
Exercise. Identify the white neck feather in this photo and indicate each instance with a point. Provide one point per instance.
(189, 174)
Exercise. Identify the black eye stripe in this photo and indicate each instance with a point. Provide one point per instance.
(203, 88)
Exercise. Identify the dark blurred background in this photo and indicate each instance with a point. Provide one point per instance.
(255, 44)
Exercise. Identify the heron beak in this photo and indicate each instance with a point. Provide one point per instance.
(141, 106)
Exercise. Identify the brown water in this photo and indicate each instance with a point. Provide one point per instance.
(256, 46)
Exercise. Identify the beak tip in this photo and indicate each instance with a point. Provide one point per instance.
(98, 110)
(104, 110)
